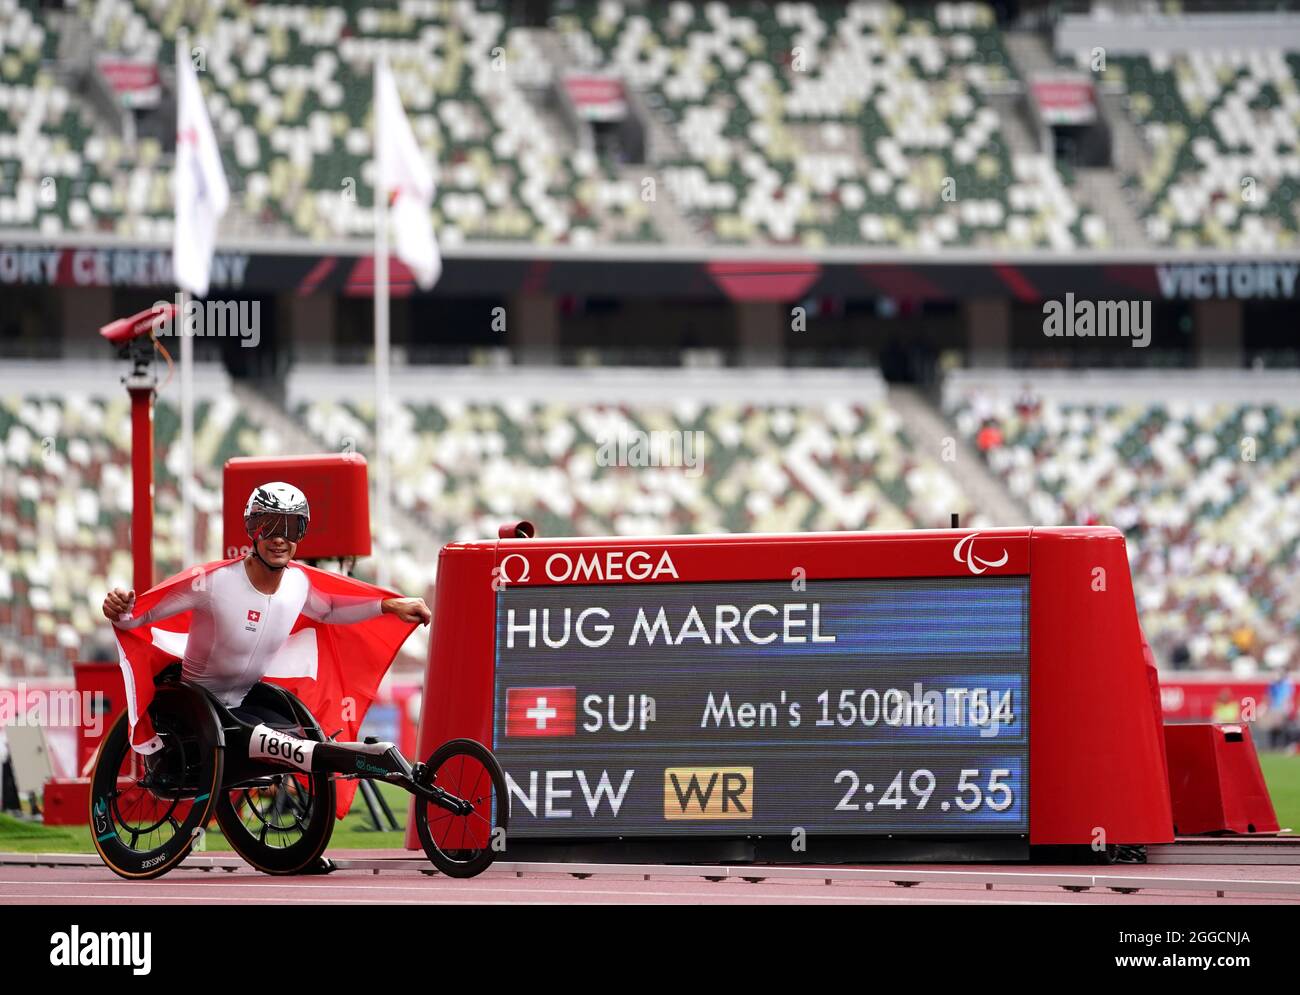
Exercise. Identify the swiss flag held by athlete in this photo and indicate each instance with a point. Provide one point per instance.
(336, 673)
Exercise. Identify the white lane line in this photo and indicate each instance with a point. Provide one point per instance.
(708, 893)
(476, 896)
(704, 898)
(500, 885)
(773, 891)
(93, 900)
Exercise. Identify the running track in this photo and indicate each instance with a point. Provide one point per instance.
(531, 885)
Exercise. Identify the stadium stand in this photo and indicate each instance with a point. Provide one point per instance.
(805, 126)
(65, 523)
(873, 130)
(1222, 129)
(1202, 474)
(851, 140)
(289, 91)
(65, 509)
(810, 463)
(1204, 480)
(815, 459)
(789, 123)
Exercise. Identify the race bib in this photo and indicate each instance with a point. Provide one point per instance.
(267, 744)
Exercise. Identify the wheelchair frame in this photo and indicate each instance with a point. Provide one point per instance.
(229, 738)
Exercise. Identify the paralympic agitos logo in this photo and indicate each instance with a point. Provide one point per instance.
(965, 551)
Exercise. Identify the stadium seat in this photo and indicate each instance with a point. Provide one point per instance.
(1223, 132)
(787, 124)
(1206, 493)
(463, 467)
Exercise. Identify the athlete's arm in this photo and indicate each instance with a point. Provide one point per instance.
(339, 609)
(119, 603)
(408, 609)
(344, 609)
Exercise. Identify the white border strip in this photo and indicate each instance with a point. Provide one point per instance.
(1093, 386)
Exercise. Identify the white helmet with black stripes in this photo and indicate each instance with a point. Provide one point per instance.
(276, 509)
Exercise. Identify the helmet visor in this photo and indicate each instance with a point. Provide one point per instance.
(272, 526)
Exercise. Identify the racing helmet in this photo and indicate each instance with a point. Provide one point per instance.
(276, 509)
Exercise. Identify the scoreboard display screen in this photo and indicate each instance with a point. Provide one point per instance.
(845, 707)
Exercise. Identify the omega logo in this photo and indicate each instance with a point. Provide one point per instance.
(638, 564)
(504, 571)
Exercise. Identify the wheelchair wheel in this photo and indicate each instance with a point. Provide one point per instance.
(462, 846)
(146, 812)
(282, 826)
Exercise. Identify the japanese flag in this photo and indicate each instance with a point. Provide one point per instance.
(202, 194)
(404, 179)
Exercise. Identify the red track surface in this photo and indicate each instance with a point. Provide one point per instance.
(97, 886)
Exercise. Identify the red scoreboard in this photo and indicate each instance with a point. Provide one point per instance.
(800, 694)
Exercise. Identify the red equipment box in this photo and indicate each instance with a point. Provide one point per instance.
(66, 802)
(1215, 780)
(336, 488)
(641, 689)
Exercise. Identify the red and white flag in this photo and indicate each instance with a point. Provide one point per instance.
(404, 179)
(339, 682)
(202, 194)
(532, 712)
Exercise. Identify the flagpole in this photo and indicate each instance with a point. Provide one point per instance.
(400, 173)
(381, 377)
(181, 321)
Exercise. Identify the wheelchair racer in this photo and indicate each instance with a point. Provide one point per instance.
(245, 611)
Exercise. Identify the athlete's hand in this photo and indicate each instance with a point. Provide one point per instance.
(118, 603)
(408, 609)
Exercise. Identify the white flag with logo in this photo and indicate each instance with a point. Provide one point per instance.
(405, 179)
(202, 194)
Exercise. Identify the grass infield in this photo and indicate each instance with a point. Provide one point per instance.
(353, 833)
(1281, 771)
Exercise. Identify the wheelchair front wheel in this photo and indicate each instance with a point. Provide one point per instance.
(462, 846)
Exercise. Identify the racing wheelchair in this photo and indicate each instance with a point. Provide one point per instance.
(269, 774)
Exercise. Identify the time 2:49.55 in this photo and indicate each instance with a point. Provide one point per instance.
(972, 791)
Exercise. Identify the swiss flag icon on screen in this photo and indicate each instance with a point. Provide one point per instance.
(541, 711)
(254, 616)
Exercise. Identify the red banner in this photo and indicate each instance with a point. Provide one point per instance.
(597, 98)
(1064, 99)
(137, 84)
(1219, 699)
